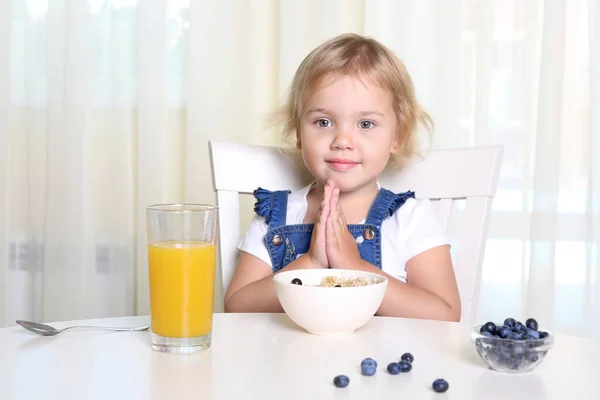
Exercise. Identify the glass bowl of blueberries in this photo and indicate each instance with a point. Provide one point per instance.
(512, 346)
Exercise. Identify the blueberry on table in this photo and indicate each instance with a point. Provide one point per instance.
(393, 368)
(341, 381)
(368, 361)
(440, 385)
(368, 369)
(405, 366)
(531, 324)
(488, 327)
(296, 281)
(407, 357)
(338, 285)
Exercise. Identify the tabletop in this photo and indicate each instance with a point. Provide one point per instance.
(266, 356)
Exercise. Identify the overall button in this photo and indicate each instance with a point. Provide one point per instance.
(368, 234)
(276, 240)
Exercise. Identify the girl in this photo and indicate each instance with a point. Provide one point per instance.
(351, 110)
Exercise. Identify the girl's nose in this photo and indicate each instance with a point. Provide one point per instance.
(342, 140)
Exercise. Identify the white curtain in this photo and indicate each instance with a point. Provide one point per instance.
(106, 106)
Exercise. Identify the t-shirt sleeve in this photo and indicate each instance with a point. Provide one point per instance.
(422, 228)
(253, 241)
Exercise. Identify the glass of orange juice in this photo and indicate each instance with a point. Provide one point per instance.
(181, 269)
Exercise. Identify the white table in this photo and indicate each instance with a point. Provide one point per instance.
(266, 356)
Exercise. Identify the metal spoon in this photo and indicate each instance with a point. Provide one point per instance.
(47, 330)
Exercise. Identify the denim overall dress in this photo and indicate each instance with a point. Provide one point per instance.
(285, 243)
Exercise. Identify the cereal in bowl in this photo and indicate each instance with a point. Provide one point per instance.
(336, 281)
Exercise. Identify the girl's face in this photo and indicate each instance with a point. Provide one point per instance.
(348, 132)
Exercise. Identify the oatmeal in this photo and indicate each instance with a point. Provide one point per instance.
(336, 281)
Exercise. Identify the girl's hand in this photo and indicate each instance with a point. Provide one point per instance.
(317, 251)
(342, 251)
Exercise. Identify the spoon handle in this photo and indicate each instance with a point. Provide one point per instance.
(106, 328)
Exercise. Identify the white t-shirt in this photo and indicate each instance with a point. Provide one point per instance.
(412, 229)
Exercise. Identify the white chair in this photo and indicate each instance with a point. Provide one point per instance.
(469, 174)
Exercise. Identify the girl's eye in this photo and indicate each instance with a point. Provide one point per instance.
(366, 125)
(323, 123)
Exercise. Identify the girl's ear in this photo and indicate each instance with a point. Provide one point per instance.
(395, 148)
(298, 142)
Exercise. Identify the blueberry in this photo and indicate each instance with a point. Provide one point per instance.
(408, 357)
(338, 285)
(504, 351)
(518, 350)
(515, 336)
(510, 322)
(296, 281)
(532, 357)
(544, 335)
(488, 327)
(440, 385)
(504, 332)
(503, 361)
(519, 327)
(533, 333)
(368, 361)
(492, 357)
(516, 362)
(405, 366)
(368, 370)
(368, 367)
(532, 324)
(487, 334)
(341, 381)
(393, 368)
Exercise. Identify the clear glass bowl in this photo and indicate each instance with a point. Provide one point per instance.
(511, 355)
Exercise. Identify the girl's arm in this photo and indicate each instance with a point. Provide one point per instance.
(430, 293)
(252, 288)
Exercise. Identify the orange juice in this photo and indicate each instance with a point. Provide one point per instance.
(182, 276)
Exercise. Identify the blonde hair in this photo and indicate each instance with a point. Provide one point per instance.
(357, 56)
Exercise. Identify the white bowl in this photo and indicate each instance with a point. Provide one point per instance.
(329, 310)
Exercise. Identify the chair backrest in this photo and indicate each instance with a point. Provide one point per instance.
(444, 176)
